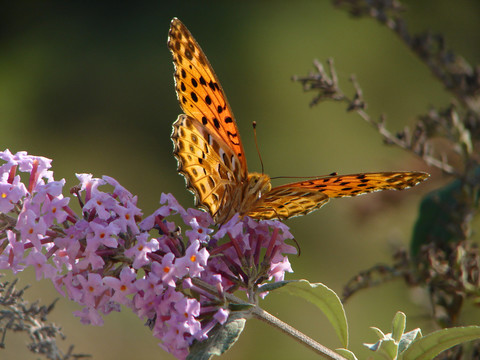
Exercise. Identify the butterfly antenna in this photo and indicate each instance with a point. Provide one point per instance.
(304, 177)
(254, 125)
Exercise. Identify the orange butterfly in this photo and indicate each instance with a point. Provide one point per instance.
(210, 153)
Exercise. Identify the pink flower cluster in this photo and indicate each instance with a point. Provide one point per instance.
(107, 256)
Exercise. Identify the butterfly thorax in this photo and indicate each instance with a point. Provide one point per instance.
(256, 186)
(245, 198)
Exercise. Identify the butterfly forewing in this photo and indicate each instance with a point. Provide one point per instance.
(199, 91)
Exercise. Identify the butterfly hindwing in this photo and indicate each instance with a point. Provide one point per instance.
(303, 197)
(199, 91)
(285, 202)
(207, 164)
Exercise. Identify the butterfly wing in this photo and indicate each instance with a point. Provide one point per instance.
(357, 184)
(210, 167)
(199, 91)
(306, 196)
(287, 202)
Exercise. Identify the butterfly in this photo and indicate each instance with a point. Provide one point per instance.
(210, 153)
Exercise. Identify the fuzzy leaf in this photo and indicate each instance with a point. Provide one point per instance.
(408, 338)
(347, 354)
(429, 346)
(272, 286)
(438, 212)
(325, 299)
(240, 307)
(220, 338)
(378, 332)
(390, 348)
(398, 326)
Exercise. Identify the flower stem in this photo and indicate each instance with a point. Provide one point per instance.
(303, 339)
(261, 314)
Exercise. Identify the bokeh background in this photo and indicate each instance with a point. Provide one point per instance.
(90, 85)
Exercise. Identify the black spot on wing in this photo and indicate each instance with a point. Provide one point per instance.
(233, 138)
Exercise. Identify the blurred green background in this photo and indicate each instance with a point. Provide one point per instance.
(90, 85)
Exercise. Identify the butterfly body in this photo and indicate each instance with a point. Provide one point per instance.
(210, 153)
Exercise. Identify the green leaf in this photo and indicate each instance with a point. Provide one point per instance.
(347, 354)
(325, 299)
(240, 307)
(438, 215)
(431, 345)
(408, 338)
(272, 286)
(390, 348)
(373, 347)
(386, 345)
(398, 326)
(379, 332)
(220, 338)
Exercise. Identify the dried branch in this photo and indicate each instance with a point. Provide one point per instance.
(441, 259)
(325, 84)
(457, 75)
(19, 316)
